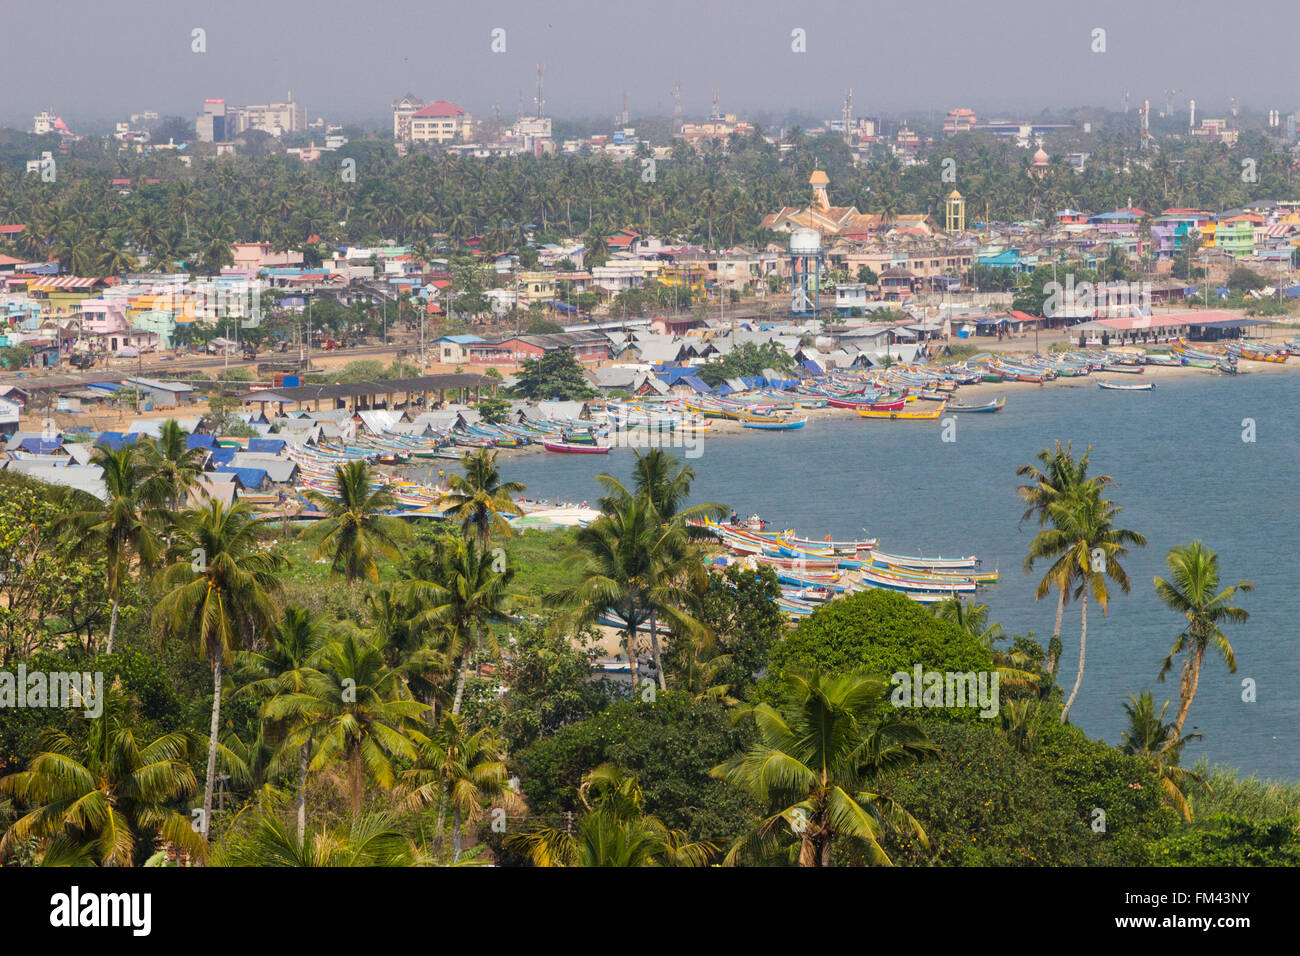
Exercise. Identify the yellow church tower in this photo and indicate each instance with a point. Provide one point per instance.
(954, 212)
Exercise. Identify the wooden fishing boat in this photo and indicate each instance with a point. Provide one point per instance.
(994, 406)
(927, 415)
(785, 426)
(1118, 387)
(576, 449)
(922, 563)
(1123, 369)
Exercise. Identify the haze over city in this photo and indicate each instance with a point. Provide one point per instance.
(348, 61)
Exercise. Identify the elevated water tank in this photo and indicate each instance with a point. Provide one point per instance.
(805, 242)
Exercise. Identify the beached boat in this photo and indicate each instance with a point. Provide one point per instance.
(1120, 387)
(785, 426)
(576, 449)
(994, 406)
(929, 414)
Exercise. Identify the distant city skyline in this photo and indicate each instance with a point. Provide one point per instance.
(347, 61)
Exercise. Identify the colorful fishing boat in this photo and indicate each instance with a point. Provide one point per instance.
(1121, 387)
(784, 426)
(929, 414)
(994, 406)
(576, 449)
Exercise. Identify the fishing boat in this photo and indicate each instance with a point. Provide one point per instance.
(994, 406)
(1124, 369)
(928, 415)
(576, 449)
(784, 426)
(921, 563)
(1119, 387)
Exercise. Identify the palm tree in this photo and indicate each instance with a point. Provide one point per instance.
(356, 531)
(172, 468)
(1150, 737)
(480, 499)
(615, 831)
(370, 840)
(820, 755)
(120, 529)
(357, 709)
(1194, 593)
(460, 592)
(102, 793)
(1087, 547)
(217, 593)
(458, 768)
(282, 667)
(1059, 473)
(667, 492)
(632, 563)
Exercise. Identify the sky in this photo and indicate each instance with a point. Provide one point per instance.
(347, 60)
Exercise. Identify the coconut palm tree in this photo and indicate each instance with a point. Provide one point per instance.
(356, 709)
(822, 751)
(633, 564)
(355, 531)
(217, 593)
(122, 527)
(1148, 736)
(460, 591)
(372, 839)
(466, 771)
(1087, 547)
(102, 793)
(282, 667)
(172, 468)
(615, 831)
(1194, 593)
(480, 499)
(668, 488)
(1057, 473)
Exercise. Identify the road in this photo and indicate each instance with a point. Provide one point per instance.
(67, 377)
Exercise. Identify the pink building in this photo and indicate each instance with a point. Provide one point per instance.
(252, 257)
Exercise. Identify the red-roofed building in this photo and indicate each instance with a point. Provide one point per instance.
(441, 122)
(11, 230)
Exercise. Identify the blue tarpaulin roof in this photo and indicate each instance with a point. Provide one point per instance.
(697, 383)
(269, 446)
(811, 367)
(754, 381)
(248, 477)
(223, 456)
(115, 440)
(38, 446)
(199, 441)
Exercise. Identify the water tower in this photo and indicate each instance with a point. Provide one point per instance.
(807, 263)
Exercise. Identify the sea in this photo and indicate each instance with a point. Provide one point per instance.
(1206, 457)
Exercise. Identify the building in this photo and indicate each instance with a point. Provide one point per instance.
(959, 120)
(273, 118)
(718, 127)
(163, 394)
(441, 122)
(830, 221)
(403, 110)
(211, 123)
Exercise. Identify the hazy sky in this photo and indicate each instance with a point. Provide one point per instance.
(349, 59)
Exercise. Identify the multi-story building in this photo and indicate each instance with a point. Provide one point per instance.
(403, 110)
(718, 127)
(273, 118)
(441, 122)
(960, 120)
(211, 123)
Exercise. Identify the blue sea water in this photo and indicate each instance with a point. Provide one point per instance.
(1182, 471)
